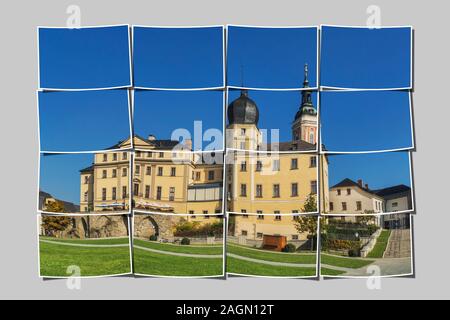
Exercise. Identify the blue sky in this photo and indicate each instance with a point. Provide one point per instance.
(379, 170)
(161, 112)
(365, 120)
(277, 109)
(60, 175)
(83, 121)
(178, 57)
(271, 57)
(365, 58)
(84, 58)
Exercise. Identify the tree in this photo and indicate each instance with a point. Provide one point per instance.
(52, 224)
(308, 224)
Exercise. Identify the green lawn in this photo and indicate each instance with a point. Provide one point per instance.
(344, 262)
(55, 259)
(301, 258)
(124, 240)
(380, 246)
(150, 263)
(330, 272)
(257, 269)
(192, 249)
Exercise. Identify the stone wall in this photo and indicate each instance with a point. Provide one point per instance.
(147, 225)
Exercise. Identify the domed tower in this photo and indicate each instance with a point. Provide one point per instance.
(243, 117)
(304, 126)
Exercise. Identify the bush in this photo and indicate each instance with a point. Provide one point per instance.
(153, 237)
(195, 229)
(185, 241)
(289, 248)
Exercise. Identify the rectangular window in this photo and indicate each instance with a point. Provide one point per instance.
(104, 174)
(149, 154)
(313, 162)
(259, 166)
(86, 197)
(331, 206)
(295, 237)
(124, 156)
(243, 131)
(277, 215)
(243, 166)
(242, 145)
(244, 233)
(160, 171)
(136, 189)
(205, 212)
(276, 190)
(137, 170)
(124, 192)
(172, 194)
(114, 193)
(344, 206)
(260, 215)
(148, 171)
(197, 176)
(138, 154)
(173, 172)
(124, 172)
(105, 157)
(243, 190)
(294, 164)
(114, 173)
(86, 179)
(294, 189)
(259, 190)
(276, 165)
(191, 212)
(210, 175)
(259, 235)
(244, 215)
(338, 192)
(314, 187)
(358, 206)
(394, 204)
(349, 191)
(158, 193)
(114, 156)
(147, 192)
(161, 154)
(104, 194)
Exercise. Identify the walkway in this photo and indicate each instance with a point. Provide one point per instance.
(399, 244)
(71, 244)
(179, 254)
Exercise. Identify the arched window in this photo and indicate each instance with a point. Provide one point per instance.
(311, 137)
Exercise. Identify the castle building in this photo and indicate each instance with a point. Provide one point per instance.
(277, 182)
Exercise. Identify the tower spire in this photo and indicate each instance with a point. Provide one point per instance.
(305, 80)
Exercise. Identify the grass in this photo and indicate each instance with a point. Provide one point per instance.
(210, 250)
(344, 262)
(151, 263)
(251, 268)
(55, 259)
(124, 240)
(380, 247)
(300, 258)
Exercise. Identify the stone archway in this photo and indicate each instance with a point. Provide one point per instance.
(162, 226)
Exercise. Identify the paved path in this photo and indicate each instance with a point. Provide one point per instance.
(179, 254)
(272, 263)
(399, 244)
(388, 267)
(71, 244)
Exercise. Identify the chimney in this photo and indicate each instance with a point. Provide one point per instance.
(367, 186)
(151, 137)
(360, 182)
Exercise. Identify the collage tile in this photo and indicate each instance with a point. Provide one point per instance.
(202, 152)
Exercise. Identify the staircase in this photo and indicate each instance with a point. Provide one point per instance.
(399, 244)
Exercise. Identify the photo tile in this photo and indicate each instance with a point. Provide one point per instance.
(85, 183)
(271, 57)
(84, 246)
(175, 245)
(375, 183)
(366, 121)
(84, 58)
(83, 121)
(272, 183)
(195, 118)
(177, 182)
(366, 246)
(366, 58)
(178, 57)
(260, 120)
(264, 246)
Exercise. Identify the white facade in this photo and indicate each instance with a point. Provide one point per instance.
(354, 200)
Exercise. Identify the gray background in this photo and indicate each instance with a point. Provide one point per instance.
(19, 158)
